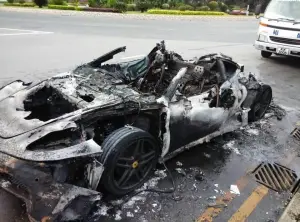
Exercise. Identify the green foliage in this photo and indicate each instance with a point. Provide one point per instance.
(223, 7)
(213, 5)
(142, 5)
(131, 7)
(185, 8)
(121, 6)
(62, 7)
(56, 2)
(166, 6)
(172, 3)
(91, 3)
(9, 1)
(26, 4)
(94, 3)
(178, 12)
(203, 8)
(155, 3)
(21, 1)
(111, 3)
(230, 7)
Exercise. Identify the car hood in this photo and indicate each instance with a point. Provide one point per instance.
(25, 107)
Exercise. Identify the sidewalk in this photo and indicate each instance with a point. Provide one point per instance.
(292, 211)
(129, 16)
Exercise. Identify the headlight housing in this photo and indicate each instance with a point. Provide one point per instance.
(262, 38)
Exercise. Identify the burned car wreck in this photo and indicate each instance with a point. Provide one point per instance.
(103, 127)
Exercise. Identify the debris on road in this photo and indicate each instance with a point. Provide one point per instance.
(275, 110)
(129, 214)
(118, 215)
(212, 198)
(181, 171)
(234, 189)
(253, 132)
(230, 146)
(217, 205)
(199, 176)
(178, 163)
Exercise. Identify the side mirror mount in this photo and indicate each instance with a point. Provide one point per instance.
(257, 10)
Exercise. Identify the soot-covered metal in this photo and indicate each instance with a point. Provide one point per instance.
(69, 132)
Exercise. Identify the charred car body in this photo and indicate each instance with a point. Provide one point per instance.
(105, 126)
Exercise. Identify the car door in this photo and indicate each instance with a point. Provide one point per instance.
(191, 118)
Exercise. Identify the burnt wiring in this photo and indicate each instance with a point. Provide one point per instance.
(152, 190)
(161, 77)
(218, 96)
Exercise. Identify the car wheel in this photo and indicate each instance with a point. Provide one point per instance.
(129, 156)
(266, 54)
(260, 104)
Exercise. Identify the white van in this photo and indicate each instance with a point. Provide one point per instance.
(279, 28)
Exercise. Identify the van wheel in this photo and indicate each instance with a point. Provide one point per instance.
(266, 54)
(129, 156)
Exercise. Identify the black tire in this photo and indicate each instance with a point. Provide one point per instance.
(122, 158)
(266, 54)
(260, 104)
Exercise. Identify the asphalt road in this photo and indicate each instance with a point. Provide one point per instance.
(35, 46)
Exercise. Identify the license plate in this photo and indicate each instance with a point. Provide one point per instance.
(282, 51)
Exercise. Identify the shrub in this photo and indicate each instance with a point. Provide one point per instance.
(172, 3)
(223, 7)
(166, 6)
(213, 5)
(121, 6)
(91, 3)
(181, 8)
(61, 7)
(142, 6)
(185, 8)
(178, 4)
(21, 1)
(230, 7)
(111, 3)
(178, 12)
(203, 8)
(131, 7)
(189, 8)
(56, 2)
(40, 3)
(94, 3)
(10, 1)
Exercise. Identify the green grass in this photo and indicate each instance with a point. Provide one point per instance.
(178, 12)
(26, 4)
(63, 7)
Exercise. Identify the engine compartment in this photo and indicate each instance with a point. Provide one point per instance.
(47, 103)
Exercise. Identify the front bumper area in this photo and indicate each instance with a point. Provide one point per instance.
(271, 47)
(45, 199)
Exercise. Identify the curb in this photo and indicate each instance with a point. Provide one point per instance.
(127, 16)
(292, 211)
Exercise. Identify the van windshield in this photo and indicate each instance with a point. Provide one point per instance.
(283, 9)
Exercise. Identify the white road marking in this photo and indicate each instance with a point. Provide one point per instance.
(22, 32)
(27, 33)
(132, 57)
